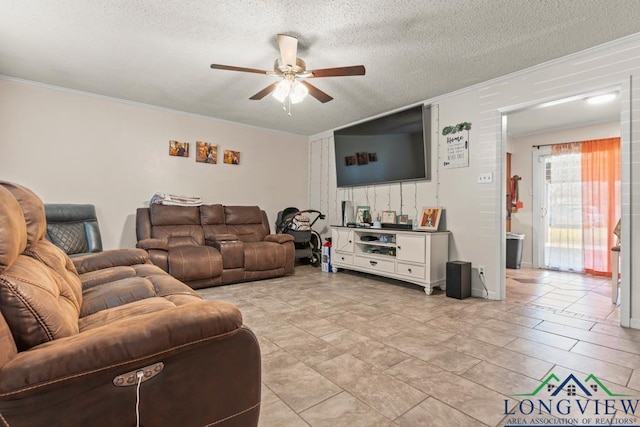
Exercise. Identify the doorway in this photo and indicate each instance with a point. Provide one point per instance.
(543, 125)
(529, 135)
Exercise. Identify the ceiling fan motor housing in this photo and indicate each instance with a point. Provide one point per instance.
(281, 68)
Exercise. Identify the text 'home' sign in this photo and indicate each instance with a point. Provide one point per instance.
(456, 146)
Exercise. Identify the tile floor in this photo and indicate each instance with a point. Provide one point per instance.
(354, 350)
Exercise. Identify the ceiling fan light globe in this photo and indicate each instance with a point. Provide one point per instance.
(298, 92)
(282, 90)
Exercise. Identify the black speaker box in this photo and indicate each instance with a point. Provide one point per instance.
(458, 279)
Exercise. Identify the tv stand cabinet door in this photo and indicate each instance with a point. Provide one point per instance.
(411, 248)
(342, 240)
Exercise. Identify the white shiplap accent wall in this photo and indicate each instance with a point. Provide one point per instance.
(474, 211)
(322, 184)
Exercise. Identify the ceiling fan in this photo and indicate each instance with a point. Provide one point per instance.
(293, 85)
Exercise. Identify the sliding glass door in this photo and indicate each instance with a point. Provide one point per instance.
(578, 205)
(562, 221)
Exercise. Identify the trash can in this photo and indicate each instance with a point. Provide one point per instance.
(514, 249)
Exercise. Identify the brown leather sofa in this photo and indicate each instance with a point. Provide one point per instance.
(81, 340)
(213, 244)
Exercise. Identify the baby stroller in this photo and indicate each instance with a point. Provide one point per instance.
(306, 241)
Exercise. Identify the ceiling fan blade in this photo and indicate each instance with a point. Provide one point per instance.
(316, 93)
(355, 70)
(264, 92)
(288, 49)
(232, 68)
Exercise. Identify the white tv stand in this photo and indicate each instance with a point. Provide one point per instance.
(412, 256)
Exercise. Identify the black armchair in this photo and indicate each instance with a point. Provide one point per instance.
(73, 228)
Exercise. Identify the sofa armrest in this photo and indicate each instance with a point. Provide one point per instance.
(118, 347)
(217, 238)
(108, 259)
(278, 238)
(147, 244)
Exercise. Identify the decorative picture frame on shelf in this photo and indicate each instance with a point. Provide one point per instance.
(363, 215)
(430, 218)
(403, 219)
(388, 217)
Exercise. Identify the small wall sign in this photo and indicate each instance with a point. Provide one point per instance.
(456, 146)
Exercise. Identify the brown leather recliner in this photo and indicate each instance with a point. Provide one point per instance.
(213, 244)
(80, 339)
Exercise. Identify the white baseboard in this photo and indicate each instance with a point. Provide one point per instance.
(480, 293)
(634, 323)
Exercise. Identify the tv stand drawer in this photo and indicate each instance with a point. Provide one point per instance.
(375, 264)
(342, 258)
(415, 271)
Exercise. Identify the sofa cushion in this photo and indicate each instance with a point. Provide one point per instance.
(100, 277)
(32, 209)
(260, 256)
(117, 293)
(174, 215)
(110, 258)
(12, 229)
(55, 259)
(246, 222)
(235, 215)
(37, 303)
(8, 347)
(164, 284)
(194, 262)
(179, 235)
(73, 227)
(71, 238)
(124, 312)
(212, 214)
(212, 217)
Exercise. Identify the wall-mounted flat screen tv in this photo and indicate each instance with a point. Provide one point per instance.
(391, 148)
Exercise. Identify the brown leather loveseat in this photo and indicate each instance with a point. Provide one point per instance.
(110, 339)
(213, 244)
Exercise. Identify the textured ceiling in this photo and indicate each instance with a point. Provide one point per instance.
(158, 51)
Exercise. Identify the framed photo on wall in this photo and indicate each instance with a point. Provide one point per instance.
(206, 152)
(430, 218)
(178, 148)
(231, 157)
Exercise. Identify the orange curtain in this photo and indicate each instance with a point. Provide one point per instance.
(601, 202)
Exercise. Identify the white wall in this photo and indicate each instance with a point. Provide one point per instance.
(475, 212)
(521, 165)
(71, 147)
